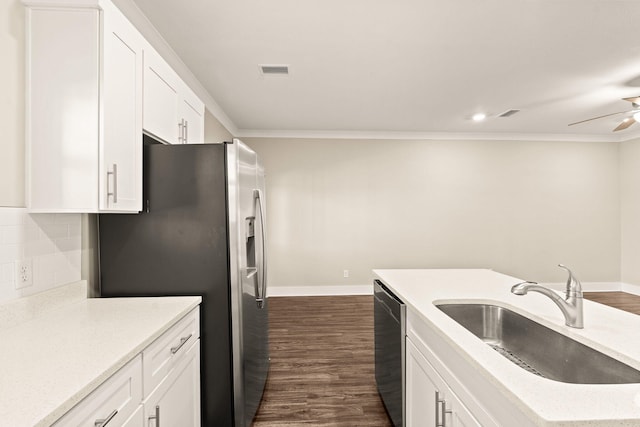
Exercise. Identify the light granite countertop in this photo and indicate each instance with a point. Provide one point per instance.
(546, 402)
(53, 358)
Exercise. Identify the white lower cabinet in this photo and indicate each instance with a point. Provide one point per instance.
(133, 398)
(176, 401)
(112, 403)
(429, 400)
(135, 420)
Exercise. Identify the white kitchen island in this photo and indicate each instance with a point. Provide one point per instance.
(58, 348)
(480, 386)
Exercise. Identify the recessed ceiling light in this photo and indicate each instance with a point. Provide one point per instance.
(478, 117)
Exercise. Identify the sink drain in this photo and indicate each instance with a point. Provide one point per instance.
(515, 359)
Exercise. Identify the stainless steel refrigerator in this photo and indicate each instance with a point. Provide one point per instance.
(201, 232)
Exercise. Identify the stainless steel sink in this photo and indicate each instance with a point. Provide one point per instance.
(539, 349)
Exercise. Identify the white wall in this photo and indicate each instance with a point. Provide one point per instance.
(630, 211)
(214, 131)
(12, 103)
(517, 207)
(50, 241)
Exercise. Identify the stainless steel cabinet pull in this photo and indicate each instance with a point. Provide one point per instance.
(114, 193)
(183, 340)
(156, 416)
(181, 131)
(441, 411)
(103, 422)
(186, 132)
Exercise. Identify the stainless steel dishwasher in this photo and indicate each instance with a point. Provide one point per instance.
(389, 322)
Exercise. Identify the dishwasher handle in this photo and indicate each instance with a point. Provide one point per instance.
(388, 300)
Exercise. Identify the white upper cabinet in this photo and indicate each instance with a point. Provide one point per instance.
(172, 112)
(84, 108)
(193, 114)
(160, 98)
(121, 145)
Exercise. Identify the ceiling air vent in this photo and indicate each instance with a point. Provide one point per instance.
(508, 113)
(274, 69)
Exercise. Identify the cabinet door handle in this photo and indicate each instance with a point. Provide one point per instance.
(186, 132)
(156, 416)
(181, 131)
(441, 411)
(183, 341)
(114, 193)
(104, 421)
(438, 423)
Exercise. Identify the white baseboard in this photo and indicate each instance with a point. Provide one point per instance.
(300, 291)
(631, 288)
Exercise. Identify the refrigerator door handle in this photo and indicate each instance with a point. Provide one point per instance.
(262, 277)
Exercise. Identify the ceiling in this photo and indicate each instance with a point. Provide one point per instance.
(411, 66)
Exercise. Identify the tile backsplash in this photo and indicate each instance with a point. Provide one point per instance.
(50, 244)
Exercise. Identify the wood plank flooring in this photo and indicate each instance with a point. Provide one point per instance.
(322, 364)
(621, 300)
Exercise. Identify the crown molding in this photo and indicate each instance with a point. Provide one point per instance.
(629, 136)
(437, 136)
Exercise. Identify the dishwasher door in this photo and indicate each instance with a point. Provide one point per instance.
(389, 322)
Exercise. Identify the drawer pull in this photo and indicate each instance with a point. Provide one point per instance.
(183, 341)
(105, 421)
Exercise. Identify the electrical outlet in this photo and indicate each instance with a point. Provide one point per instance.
(24, 273)
(346, 273)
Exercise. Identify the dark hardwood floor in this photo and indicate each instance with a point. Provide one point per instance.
(322, 364)
(621, 300)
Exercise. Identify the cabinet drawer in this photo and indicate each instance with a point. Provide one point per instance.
(165, 352)
(117, 398)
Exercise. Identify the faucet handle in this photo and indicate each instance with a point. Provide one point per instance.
(574, 287)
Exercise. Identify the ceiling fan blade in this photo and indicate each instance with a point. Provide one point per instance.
(625, 124)
(633, 99)
(596, 118)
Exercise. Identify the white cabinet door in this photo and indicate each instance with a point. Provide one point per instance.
(84, 109)
(192, 112)
(176, 401)
(420, 390)
(172, 112)
(161, 85)
(429, 401)
(62, 115)
(136, 419)
(121, 145)
(112, 402)
(193, 123)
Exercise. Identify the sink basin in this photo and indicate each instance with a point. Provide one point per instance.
(539, 349)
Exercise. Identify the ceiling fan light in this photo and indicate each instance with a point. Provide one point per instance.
(636, 116)
(478, 117)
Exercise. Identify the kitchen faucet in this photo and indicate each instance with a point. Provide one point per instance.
(571, 306)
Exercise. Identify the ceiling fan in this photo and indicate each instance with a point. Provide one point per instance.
(628, 121)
